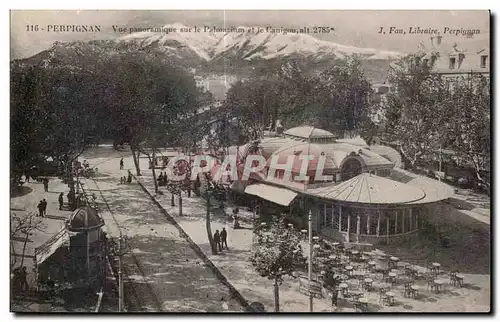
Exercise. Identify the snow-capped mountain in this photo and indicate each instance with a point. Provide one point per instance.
(249, 45)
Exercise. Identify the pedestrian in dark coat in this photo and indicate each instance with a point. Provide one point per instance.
(44, 202)
(40, 208)
(121, 164)
(23, 279)
(61, 201)
(223, 237)
(46, 184)
(129, 179)
(217, 241)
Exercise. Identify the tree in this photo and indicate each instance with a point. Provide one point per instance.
(340, 98)
(53, 115)
(20, 226)
(276, 253)
(335, 99)
(415, 110)
(467, 125)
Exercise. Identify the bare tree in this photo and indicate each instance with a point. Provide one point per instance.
(23, 227)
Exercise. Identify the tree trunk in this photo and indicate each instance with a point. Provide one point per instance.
(153, 163)
(180, 203)
(136, 159)
(276, 296)
(25, 242)
(209, 228)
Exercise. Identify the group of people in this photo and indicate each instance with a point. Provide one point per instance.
(162, 179)
(42, 208)
(127, 179)
(220, 239)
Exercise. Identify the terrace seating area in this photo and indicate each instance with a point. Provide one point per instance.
(368, 279)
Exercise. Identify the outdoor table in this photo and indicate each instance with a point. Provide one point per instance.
(439, 285)
(391, 278)
(344, 289)
(390, 295)
(393, 261)
(372, 264)
(349, 269)
(356, 294)
(401, 264)
(415, 290)
(335, 244)
(435, 267)
(316, 238)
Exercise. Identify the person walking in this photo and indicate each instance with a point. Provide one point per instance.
(121, 164)
(23, 279)
(46, 184)
(217, 240)
(40, 208)
(44, 209)
(129, 179)
(61, 201)
(223, 237)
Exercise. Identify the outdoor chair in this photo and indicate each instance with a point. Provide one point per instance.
(453, 277)
(383, 298)
(408, 289)
(460, 280)
(431, 284)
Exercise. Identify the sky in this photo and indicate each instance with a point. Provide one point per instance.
(355, 28)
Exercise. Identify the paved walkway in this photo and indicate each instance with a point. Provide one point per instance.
(163, 273)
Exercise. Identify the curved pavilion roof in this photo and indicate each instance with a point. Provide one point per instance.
(370, 189)
(83, 219)
(335, 154)
(309, 132)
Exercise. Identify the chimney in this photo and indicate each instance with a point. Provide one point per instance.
(439, 38)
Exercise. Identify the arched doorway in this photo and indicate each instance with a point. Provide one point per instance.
(351, 168)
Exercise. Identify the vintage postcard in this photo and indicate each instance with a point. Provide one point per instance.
(250, 161)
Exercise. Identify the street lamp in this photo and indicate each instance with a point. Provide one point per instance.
(311, 246)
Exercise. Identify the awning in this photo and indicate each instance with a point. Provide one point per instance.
(274, 194)
(51, 246)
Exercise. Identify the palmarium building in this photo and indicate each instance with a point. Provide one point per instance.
(365, 199)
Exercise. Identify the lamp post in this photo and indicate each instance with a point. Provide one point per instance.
(310, 261)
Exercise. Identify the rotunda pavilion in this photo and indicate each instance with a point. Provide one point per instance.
(365, 198)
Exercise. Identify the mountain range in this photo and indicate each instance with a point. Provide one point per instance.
(230, 53)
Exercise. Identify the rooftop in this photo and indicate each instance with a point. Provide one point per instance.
(370, 189)
(308, 132)
(84, 218)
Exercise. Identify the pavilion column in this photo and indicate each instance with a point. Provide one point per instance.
(348, 227)
(396, 223)
(340, 218)
(378, 224)
(387, 218)
(333, 215)
(324, 215)
(411, 220)
(403, 221)
(358, 228)
(368, 223)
